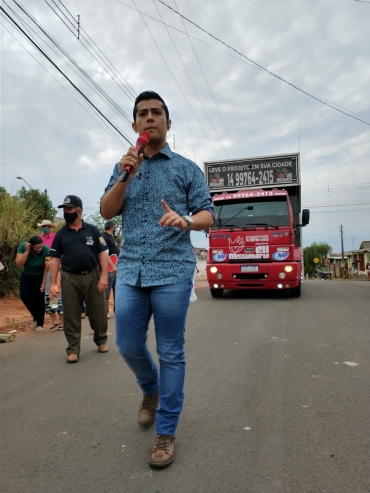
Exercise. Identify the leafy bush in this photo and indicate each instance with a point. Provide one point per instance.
(18, 222)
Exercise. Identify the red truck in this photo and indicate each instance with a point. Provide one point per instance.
(256, 240)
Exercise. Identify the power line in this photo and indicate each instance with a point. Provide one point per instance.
(191, 81)
(115, 72)
(64, 75)
(107, 69)
(178, 85)
(323, 233)
(314, 206)
(225, 53)
(60, 17)
(85, 77)
(107, 129)
(342, 210)
(206, 81)
(263, 68)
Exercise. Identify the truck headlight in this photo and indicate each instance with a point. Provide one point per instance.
(288, 268)
(213, 269)
(219, 275)
(282, 275)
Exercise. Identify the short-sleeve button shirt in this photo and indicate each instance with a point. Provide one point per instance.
(153, 254)
(78, 249)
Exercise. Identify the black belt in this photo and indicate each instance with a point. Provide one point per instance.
(85, 272)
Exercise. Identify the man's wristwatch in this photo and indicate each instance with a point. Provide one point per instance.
(190, 221)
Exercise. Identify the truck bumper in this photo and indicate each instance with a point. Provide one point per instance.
(268, 276)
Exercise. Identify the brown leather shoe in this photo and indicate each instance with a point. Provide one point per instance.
(103, 348)
(163, 452)
(73, 358)
(147, 410)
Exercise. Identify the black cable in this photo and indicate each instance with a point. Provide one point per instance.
(69, 20)
(64, 75)
(165, 61)
(263, 68)
(227, 54)
(205, 78)
(101, 93)
(186, 34)
(60, 18)
(107, 129)
(341, 210)
(132, 95)
(191, 81)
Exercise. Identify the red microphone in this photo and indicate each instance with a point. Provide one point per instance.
(141, 143)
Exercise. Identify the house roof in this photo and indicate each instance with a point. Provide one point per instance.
(365, 244)
(338, 255)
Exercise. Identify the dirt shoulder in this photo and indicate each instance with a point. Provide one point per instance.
(13, 315)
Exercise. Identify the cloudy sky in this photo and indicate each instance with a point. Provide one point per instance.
(221, 104)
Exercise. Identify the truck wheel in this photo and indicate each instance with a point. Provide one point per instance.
(295, 292)
(217, 293)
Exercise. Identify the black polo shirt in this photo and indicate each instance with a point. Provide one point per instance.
(110, 241)
(78, 249)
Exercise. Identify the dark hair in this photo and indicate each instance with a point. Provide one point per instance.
(34, 240)
(109, 224)
(145, 96)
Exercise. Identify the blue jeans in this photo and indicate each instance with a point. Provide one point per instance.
(111, 285)
(168, 305)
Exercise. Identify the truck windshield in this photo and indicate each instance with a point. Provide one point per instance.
(259, 212)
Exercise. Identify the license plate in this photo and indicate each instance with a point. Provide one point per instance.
(249, 268)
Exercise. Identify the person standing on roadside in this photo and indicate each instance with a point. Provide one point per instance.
(108, 235)
(47, 235)
(81, 249)
(367, 267)
(31, 257)
(159, 206)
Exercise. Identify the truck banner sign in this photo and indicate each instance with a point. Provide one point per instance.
(252, 172)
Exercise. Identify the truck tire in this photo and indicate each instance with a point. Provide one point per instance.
(217, 293)
(295, 292)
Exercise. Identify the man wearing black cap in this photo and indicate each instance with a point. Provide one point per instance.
(81, 249)
(110, 227)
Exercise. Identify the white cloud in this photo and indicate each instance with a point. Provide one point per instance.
(52, 142)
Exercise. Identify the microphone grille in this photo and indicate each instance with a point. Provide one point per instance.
(143, 139)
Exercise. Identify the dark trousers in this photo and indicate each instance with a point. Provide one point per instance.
(32, 297)
(76, 289)
(111, 285)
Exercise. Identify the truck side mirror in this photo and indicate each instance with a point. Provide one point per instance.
(305, 217)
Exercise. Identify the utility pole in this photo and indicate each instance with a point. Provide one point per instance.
(342, 263)
(46, 193)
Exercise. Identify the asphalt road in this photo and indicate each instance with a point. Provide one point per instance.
(272, 405)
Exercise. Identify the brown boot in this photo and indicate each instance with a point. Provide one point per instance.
(147, 410)
(163, 452)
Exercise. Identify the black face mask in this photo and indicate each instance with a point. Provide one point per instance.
(70, 217)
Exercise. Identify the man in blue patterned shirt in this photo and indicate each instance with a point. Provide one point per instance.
(164, 198)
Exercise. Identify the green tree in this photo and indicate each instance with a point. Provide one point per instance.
(40, 202)
(315, 250)
(99, 222)
(17, 223)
